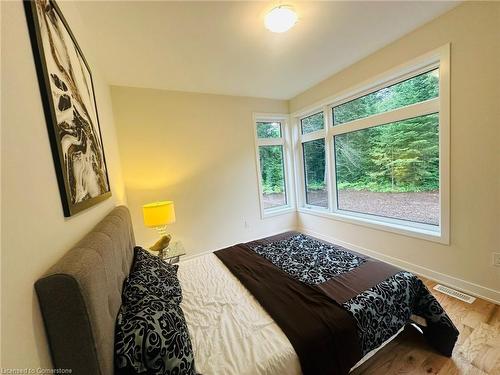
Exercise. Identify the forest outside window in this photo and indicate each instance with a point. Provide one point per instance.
(314, 160)
(417, 89)
(272, 161)
(379, 155)
(272, 173)
(390, 169)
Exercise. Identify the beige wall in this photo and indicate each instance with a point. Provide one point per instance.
(474, 32)
(34, 231)
(197, 150)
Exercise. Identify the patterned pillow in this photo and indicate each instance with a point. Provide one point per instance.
(152, 338)
(151, 275)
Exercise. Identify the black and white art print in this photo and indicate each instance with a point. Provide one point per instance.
(70, 108)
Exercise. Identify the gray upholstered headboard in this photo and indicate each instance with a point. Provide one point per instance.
(81, 294)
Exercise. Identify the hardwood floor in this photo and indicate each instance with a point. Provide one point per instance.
(477, 351)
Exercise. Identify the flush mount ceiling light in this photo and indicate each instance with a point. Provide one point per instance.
(280, 19)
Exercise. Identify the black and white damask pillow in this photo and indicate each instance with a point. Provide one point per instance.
(151, 275)
(152, 338)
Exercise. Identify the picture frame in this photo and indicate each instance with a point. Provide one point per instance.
(70, 108)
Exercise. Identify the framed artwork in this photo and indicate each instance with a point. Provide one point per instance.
(70, 108)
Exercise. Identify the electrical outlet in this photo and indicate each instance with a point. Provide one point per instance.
(496, 259)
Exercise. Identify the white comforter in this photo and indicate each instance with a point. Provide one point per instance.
(230, 332)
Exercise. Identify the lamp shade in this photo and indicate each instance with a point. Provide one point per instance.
(158, 214)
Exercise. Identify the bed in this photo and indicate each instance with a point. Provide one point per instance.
(231, 332)
(234, 327)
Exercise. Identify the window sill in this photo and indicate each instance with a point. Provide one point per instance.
(422, 232)
(277, 211)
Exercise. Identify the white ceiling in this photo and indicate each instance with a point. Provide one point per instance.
(224, 48)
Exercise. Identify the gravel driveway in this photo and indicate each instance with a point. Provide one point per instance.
(422, 207)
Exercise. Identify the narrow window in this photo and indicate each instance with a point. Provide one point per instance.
(272, 161)
(272, 173)
(314, 161)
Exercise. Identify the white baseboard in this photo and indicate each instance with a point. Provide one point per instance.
(451, 281)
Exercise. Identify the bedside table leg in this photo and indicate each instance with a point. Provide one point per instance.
(173, 260)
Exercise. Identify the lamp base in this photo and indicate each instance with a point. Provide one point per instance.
(162, 254)
(161, 245)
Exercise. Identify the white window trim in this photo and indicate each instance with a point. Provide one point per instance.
(285, 141)
(438, 57)
(302, 138)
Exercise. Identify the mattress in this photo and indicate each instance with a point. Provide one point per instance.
(230, 332)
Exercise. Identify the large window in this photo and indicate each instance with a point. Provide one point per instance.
(383, 151)
(272, 161)
(391, 170)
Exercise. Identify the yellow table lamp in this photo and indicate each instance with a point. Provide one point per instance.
(158, 215)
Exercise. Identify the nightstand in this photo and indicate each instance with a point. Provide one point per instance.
(174, 252)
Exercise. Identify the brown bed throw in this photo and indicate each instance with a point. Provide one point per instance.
(317, 328)
(324, 298)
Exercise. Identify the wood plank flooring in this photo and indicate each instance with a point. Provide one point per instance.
(477, 351)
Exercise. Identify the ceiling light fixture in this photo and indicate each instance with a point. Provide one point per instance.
(280, 19)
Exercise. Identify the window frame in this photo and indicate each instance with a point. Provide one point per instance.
(439, 57)
(301, 173)
(285, 142)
